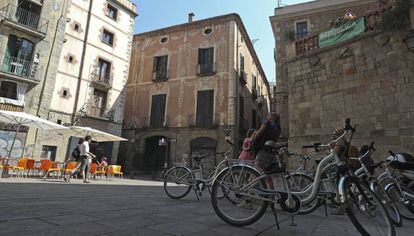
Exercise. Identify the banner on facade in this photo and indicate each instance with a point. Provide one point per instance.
(342, 33)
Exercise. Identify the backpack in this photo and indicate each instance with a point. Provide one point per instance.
(76, 153)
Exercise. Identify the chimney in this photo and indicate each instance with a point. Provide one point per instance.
(190, 17)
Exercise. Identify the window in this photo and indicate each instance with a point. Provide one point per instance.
(164, 40)
(160, 68)
(205, 61)
(18, 56)
(59, 122)
(111, 12)
(49, 152)
(254, 82)
(8, 90)
(76, 27)
(208, 31)
(241, 63)
(254, 119)
(71, 59)
(104, 70)
(65, 93)
(205, 108)
(301, 29)
(108, 37)
(158, 110)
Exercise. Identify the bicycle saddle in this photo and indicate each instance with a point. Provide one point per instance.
(402, 161)
(199, 157)
(273, 145)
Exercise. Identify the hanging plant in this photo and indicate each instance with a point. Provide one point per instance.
(289, 34)
(397, 16)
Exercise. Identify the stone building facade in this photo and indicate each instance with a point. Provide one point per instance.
(93, 70)
(368, 79)
(31, 41)
(189, 84)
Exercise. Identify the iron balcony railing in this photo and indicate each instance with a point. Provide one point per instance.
(101, 78)
(204, 120)
(243, 77)
(25, 18)
(19, 67)
(99, 112)
(154, 122)
(206, 69)
(160, 75)
(254, 93)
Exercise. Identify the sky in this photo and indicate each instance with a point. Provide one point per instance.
(156, 14)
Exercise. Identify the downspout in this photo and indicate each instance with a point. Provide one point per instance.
(65, 5)
(85, 41)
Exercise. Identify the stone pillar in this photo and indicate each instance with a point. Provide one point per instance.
(412, 14)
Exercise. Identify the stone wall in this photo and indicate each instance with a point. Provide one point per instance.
(368, 79)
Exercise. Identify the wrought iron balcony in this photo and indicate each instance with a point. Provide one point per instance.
(98, 112)
(154, 122)
(102, 80)
(160, 75)
(17, 68)
(206, 69)
(254, 93)
(243, 77)
(23, 19)
(204, 121)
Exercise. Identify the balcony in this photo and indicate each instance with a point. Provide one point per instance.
(18, 69)
(98, 112)
(204, 121)
(155, 122)
(206, 69)
(254, 93)
(24, 20)
(101, 80)
(372, 21)
(160, 75)
(243, 77)
(260, 102)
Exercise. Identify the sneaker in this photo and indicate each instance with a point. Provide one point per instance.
(66, 179)
(245, 204)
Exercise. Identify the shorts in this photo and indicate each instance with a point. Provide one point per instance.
(265, 159)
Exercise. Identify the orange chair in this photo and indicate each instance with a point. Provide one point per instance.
(44, 166)
(93, 168)
(115, 170)
(20, 167)
(29, 166)
(54, 169)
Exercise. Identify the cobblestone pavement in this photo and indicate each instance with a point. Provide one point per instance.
(135, 207)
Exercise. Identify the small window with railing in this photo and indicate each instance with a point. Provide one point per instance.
(160, 72)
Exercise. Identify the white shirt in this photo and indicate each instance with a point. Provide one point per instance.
(84, 148)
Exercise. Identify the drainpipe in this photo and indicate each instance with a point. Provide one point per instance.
(85, 40)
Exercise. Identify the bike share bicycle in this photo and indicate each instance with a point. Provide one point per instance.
(181, 178)
(239, 186)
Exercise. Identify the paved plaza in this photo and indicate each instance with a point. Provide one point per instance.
(136, 207)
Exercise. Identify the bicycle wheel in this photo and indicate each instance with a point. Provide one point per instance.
(300, 182)
(404, 204)
(238, 208)
(366, 211)
(388, 203)
(177, 183)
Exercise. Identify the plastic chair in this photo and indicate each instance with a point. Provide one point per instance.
(29, 166)
(93, 168)
(115, 170)
(101, 172)
(44, 166)
(54, 169)
(20, 167)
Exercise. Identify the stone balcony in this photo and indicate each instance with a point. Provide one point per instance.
(131, 7)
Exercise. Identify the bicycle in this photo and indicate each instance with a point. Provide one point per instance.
(366, 174)
(239, 188)
(181, 178)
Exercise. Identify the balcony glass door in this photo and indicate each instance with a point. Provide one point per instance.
(104, 68)
(18, 56)
(98, 103)
(205, 108)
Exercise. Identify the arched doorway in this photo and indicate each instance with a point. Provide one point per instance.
(154, 155)
(205, 146)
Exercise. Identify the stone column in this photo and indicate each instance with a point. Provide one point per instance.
(412, 14)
